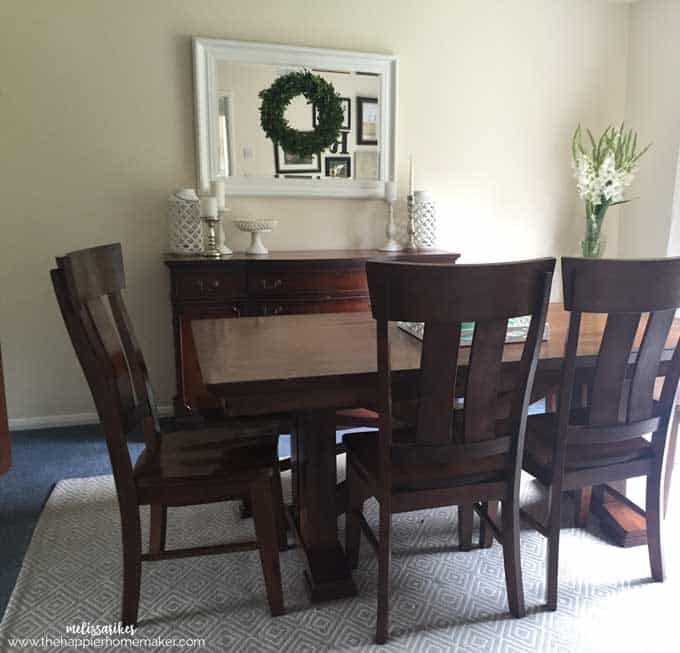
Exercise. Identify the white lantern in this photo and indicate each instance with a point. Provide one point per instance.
(425, 212)
(185, 227)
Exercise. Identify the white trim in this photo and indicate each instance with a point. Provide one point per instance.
(208, 51)
(74, 419)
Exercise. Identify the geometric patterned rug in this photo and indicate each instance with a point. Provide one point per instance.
(442, 599)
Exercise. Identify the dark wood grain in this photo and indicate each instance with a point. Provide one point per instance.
(5, 447)
(597, 439)
(280, 283)
(233, 461)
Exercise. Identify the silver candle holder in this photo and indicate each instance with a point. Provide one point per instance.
(411, 225)
(212, 251)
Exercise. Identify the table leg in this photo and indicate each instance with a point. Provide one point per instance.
(328, 574)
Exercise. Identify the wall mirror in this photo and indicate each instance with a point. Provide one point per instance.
(231, 143)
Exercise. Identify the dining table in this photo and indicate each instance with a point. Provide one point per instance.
(309, 366)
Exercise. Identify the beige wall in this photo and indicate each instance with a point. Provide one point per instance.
(96, 129)
(653, 108)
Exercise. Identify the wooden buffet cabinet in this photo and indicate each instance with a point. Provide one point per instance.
(280, 283)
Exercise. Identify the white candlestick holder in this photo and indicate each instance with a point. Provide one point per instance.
(391, 245)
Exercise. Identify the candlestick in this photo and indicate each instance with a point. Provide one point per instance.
(411, 226)
(392, 245)
(211, 250)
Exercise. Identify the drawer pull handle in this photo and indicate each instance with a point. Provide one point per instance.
(272, 310)
(236, 311)
(271, 285)
(204, 286)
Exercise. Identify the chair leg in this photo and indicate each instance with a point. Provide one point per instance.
(552, 566)
(384, 561)
(511, 558)
(465, 526)
(158, 527)
(132, 564)
(246, 508)
(485, 532)
(280, 508)
(583, 498)
(264, 512)
(670, 458)
(653, 510)
(352, 525)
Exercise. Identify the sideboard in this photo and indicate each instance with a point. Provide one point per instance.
(280, 283)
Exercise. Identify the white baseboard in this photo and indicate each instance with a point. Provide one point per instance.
(74, 419)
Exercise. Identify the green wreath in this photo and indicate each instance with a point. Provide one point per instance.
(320, 94)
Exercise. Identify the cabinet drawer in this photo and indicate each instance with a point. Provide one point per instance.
(208, 284)
(352, 305)
(307, 280)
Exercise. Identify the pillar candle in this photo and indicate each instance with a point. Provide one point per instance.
(391, 191)
(209, 207)
(218, 192)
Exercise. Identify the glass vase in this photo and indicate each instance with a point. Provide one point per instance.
(594, 242)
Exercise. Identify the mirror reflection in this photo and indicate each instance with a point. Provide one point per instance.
(244, 150)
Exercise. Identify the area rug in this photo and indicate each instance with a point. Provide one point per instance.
(443, 599)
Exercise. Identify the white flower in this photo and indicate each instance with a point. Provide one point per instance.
(605, 184)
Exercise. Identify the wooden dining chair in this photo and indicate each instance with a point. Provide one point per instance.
(5, 447)
(230, 461)
(448, 457)
(598, 438)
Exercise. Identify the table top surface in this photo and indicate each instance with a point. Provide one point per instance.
(283, 256)
(293, 347)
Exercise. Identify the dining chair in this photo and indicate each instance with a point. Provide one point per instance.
(597, 437)
(449, 457)
(230, 461)
(5, 446)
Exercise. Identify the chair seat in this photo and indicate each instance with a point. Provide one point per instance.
(540, 438)
(362, 451)
(234, 452)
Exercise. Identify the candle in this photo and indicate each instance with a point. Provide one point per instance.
(218, 192)
(209, 207)
(391, 191)
(411, 177)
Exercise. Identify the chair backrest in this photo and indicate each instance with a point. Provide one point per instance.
(443, 296)
(639, 298)
(5, 448)
(88, 285)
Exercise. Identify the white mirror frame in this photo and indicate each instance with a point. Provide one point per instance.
(207, 52)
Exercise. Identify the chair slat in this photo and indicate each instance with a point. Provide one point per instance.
(441, 454)
(113, 350)
(641, 397)
(439, 361)
(608, 385)
(587, 435)
(483, 380)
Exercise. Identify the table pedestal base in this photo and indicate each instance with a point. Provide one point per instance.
(314, 515)
(623, 521)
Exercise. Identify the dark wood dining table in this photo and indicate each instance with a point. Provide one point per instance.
(311, 365)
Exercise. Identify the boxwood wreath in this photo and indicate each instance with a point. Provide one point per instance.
(318, 93)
